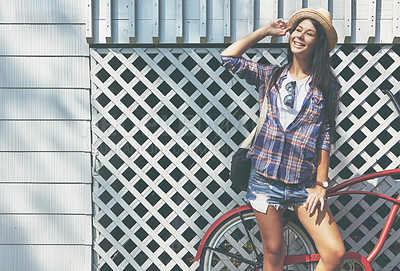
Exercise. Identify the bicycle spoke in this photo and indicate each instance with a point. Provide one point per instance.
(352, 265)
(249, 237)
(227, 253)
(235, 243)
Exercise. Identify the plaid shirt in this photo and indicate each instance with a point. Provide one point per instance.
(288, 156)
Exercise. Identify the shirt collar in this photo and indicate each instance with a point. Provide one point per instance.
(285, 71)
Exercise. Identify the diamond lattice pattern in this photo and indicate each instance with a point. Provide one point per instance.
(166, 122)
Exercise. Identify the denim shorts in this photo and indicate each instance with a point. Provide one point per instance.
(263, 192)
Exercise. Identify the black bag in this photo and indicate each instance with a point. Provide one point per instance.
(240, 169)
(240, 164)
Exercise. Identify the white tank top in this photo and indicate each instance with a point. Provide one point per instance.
(286, 115)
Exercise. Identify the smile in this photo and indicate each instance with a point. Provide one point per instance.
(298, 44)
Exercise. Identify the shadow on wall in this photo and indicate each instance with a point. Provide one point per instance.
(44, 136)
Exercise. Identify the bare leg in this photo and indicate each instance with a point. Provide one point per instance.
(325, 233)
(271, 229)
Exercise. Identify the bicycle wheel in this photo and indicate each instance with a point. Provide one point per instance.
(352, 265)
(236, 245)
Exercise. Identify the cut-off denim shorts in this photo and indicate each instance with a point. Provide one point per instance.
(263, 192)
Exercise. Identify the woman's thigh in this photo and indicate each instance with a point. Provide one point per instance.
(323, 229)
(271, 228)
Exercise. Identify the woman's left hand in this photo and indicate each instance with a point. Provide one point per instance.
(315, 195)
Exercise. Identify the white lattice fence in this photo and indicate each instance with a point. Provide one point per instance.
(166, 122)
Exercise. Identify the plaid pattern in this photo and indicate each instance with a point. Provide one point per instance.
(288, 156)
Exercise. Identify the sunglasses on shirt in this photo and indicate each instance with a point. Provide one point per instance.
(288, 100)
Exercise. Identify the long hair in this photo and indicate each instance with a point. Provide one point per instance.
(322, 76)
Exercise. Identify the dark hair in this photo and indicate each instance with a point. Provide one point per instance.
(322, 76)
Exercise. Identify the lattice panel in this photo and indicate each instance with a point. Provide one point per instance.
(166, 122)
(369, 130)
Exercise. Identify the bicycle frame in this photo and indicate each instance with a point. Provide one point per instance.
(334, 191)
(393, 211)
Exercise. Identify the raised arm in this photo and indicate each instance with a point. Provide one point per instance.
(277, 28)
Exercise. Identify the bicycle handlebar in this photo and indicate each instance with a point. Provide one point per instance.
(366, 177)
(391, 96)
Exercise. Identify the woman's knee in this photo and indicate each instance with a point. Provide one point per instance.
(334, 254)
(275, 251)
(340, 254)
(274, 257)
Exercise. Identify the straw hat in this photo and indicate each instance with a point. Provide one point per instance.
(320, 15)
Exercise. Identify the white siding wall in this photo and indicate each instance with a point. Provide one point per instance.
(45, 181)
(218, 21)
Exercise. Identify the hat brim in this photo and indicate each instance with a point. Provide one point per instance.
(326, 24)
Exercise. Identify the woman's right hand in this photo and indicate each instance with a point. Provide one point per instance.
(277, 28)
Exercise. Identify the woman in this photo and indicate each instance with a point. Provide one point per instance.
(290, 156)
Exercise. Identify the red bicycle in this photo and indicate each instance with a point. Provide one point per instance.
(233, 241)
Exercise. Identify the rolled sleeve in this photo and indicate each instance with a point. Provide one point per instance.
(244, 68)
(324, 140)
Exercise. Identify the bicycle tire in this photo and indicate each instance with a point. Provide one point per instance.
(236, 252)
(351, 264)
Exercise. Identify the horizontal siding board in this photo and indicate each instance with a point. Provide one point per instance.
(45, 257)
(33, 167)
(43, 11)
(45, 136)
(45, 198)
(56, 72)
(44, 72)
(36, 39)
(45, 229)
(50, 104)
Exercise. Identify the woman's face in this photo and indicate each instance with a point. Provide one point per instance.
(303, 39)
